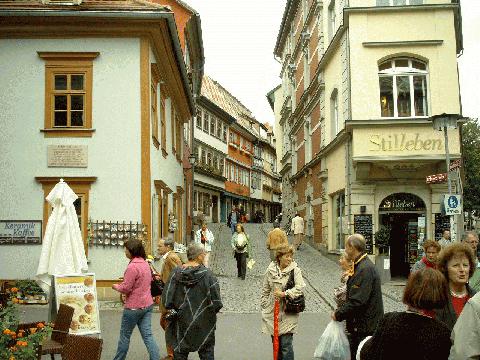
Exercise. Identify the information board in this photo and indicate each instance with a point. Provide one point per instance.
(363, 225)
(79, 292)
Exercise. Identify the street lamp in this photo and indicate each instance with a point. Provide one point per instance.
(446, 122)
(192, 159)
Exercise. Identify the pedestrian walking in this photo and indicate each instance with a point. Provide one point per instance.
(445, 240)
(170, 260)
(471, 238)
(241, 250)
(298, 231)
(274, 283)
(204, 237)
(276, 239)
(457, 263)
(192, 296)
(413, 334)
(466, 332)
(233, 219)
(363, 307)
(429, 260)
(138, 305)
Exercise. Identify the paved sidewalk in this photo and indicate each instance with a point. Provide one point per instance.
(321, 274)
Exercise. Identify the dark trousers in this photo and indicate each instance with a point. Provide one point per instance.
(354, 340)
(241, 264)
(285, 349)
(206, 352)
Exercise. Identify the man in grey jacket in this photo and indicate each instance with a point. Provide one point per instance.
(466, 332)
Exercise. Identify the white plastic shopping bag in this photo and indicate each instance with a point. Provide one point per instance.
(333, 344)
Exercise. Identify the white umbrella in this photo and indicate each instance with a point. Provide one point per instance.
(62, 249)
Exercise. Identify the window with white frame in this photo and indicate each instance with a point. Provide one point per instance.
(224, 129)
(306, 69)
(219, 129)
(398, 2)
(308, 142)
(403, 88)
(206, 119)
(332, 20)
(213, 120)
(199, 117)
(334, 118)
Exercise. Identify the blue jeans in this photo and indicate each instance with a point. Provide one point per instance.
(285, 349)
(233, 226)
(143, 319)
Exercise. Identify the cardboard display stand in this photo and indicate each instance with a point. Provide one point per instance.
(80, 292)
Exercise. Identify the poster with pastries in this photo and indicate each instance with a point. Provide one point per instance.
(79, 292)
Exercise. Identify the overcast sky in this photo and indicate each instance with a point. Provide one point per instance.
(239, 38)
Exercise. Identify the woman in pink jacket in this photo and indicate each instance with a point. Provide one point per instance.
(139, 303)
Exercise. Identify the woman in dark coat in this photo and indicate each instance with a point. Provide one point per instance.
(458, 263)
(413, 334)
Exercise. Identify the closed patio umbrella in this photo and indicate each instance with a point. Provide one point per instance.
(62, 249)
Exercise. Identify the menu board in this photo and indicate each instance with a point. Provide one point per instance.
(79, 292)
(363, 225)
(442, 222)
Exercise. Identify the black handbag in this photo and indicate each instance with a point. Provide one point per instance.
(295, 305)
(156, 286)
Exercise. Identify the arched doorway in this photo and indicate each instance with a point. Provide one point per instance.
(404, 214)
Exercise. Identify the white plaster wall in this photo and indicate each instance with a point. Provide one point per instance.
(168, 169)
(211, 140)
(113, 151)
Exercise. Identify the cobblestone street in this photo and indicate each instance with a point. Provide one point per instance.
(320, 273)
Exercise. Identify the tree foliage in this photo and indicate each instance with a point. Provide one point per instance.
(471, 162)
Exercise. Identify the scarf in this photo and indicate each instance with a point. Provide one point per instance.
(428, 264)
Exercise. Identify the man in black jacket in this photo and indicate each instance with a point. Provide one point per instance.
(364, 306)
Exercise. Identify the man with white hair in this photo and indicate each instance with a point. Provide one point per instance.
(471, 239)
(363, 308)
(192, 296)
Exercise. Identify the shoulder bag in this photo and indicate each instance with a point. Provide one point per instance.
(156, 286)
(295, 305)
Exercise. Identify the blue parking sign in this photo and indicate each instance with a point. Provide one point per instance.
(452, 204)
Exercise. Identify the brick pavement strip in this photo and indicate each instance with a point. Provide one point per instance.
(321, 274)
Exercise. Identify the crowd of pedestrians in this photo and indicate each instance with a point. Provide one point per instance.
(441, 320)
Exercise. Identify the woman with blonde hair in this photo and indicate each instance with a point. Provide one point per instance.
(274, 287)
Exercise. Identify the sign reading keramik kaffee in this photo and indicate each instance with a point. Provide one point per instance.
(402, 141)
(79, 292)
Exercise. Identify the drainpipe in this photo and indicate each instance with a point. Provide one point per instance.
(348, 184)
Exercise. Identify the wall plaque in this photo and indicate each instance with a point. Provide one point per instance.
(67, 156)
(20, 232)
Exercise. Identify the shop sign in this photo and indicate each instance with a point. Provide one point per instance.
(402, 202)
(452, 203)
(404, 142)
(20, 232)
(437, 178)
(456, 164)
